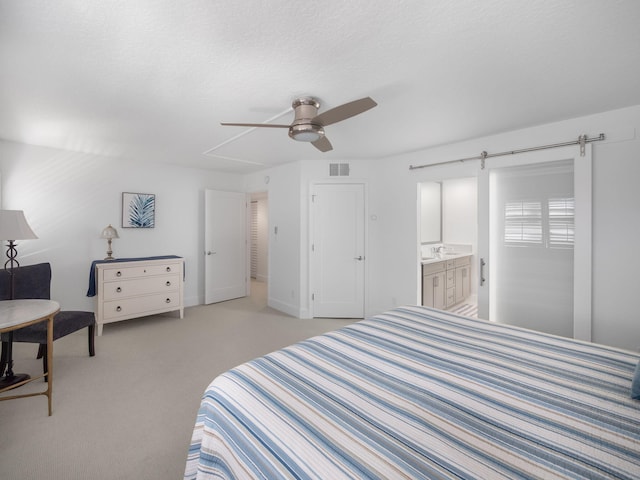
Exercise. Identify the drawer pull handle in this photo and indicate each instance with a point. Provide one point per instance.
(118, 289)
(168, 284)
(168, 300)
(118, 308)
(168, 269)
(119, 274)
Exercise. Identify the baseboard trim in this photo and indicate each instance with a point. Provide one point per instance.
(284, 307)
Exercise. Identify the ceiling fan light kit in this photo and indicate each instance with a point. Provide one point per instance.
(308, 126)
(306, 133)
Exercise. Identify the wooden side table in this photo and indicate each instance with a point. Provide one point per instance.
(15, 314)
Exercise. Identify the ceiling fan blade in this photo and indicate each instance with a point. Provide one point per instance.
(344, 111)
(270, 125)
(323, 144)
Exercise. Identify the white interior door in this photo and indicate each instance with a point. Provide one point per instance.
(226, 273)
(338, 250)
(534, 241)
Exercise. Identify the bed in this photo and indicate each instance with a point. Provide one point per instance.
(421, 393)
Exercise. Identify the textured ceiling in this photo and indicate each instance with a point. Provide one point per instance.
(153, 79)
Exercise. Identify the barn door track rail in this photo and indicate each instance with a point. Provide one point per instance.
(582, 141)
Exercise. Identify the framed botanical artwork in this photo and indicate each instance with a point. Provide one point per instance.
(138, 210)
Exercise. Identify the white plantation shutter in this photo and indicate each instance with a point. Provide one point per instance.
(523, 223)
(561, 222)
(548, 224)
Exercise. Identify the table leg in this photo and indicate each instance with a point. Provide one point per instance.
(50, 361)
(3, 359)
(6, 361)
(31, 318)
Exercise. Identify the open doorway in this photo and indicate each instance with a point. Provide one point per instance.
(259, 243)
(448, 244)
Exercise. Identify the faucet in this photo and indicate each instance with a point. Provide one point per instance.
(439, 250)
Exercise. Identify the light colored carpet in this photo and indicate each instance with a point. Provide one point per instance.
(128, 412)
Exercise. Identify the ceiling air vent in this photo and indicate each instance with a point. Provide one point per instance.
(338, 169)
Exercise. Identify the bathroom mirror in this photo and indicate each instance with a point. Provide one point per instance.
(430, 212)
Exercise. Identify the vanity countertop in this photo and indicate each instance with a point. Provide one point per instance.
(444, 256)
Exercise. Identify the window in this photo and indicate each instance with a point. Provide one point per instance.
(561, 222)
(523, 223)
(534, 223)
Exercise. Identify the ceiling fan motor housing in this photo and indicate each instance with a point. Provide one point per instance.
(302, 130)
(305, 108)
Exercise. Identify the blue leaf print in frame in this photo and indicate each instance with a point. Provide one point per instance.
(138, 210)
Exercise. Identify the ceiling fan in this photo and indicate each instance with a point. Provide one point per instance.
(308, 126)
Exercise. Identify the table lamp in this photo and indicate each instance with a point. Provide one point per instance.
(109, 233)
(13, 226)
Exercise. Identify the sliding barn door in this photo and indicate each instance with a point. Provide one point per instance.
(534, 241)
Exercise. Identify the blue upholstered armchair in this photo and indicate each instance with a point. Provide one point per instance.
(34, 281)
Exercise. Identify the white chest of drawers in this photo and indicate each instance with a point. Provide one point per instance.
(137, 288)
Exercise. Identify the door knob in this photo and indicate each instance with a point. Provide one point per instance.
(209, 252)
(359, 258)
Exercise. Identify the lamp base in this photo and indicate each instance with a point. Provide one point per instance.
(10, 380)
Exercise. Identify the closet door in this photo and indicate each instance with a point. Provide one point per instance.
(338, 250)
(534, 241)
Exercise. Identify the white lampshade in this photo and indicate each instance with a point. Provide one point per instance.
(13, 226)
(109, 233)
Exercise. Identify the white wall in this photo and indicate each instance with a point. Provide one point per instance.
(616, 221)
(393, 274)
(460, 217)
(69, 197)
(460, 211)
(289, 195)
(283, 189)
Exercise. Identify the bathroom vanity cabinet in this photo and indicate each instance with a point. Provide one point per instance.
(446, 281)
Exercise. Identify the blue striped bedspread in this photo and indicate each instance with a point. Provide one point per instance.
(419, 393)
